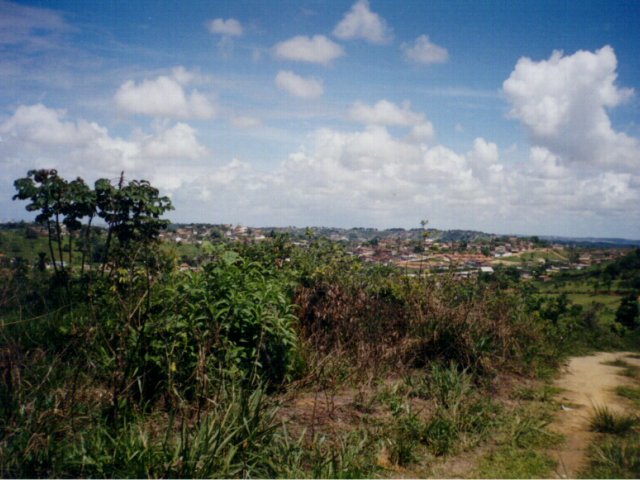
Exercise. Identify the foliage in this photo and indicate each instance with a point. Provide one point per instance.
(628, 313)
(604, 420)
(132, 213)
(615, 457)
(118, 364)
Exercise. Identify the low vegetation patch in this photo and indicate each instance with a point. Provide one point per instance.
(615, 457)
(629, 392)
(628, 370)
(116, 361)
(605, 420)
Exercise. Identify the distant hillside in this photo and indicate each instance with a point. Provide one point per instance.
(592, 242)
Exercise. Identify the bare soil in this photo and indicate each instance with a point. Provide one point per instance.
(587, 383)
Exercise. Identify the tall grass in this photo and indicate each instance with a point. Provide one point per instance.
(605, 420)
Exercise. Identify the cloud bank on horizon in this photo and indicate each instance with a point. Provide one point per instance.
(354, 116)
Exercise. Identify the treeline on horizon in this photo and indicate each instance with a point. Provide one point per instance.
(115, 363)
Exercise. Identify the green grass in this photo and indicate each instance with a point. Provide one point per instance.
(512, 462)
(628, 370)
(551, 255)
(544, 393)
(13, 243)
(522, 440)
(585, 299)
(630, 393)
(614, 457)
(604, 420)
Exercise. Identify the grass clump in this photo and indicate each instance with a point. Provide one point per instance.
(510, 462)
(615, 457)
(629, 370)
(544, 393)
(522, 439)
(630, 393)
(461, 418)
(604, 420)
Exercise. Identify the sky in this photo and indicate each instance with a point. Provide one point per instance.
(506, 117)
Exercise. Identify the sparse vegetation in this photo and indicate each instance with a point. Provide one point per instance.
(117, 362)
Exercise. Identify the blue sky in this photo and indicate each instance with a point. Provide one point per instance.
(510, 117)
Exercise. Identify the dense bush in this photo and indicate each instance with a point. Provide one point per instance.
(375, 315)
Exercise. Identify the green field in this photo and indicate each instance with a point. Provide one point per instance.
(16, 243)
(528, 257)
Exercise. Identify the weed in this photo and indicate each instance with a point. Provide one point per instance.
(348, 456)
(529, 431)
(615, 457)
(405, 434)
(511, 462)
(522, 438)
(449, 387)
(631, 393)
(544, 393)
(629, 370)
(604, 420)
(441, 435)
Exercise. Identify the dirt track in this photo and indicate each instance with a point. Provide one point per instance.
(587, 383)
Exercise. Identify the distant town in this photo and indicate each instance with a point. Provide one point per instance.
(464, 252)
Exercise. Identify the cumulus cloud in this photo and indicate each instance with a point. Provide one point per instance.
(164, 96)
(302, 87)
(40, 125)
(424, 51)
(385, 112)
(230, 27)
(316, 49)
(388, 113)
(361, 22)
(372, 176)
(36, 136)
(563, 104)
(544, 164)
(179, 141)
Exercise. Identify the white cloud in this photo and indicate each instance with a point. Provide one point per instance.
(31, 28)
(43, 126)
(374, 177)
(422, 131)
(385, 112)
(388, 113)
(424, 51)
(303, 87)
(317, 49)
(245, 121)
(36, 136)
(230, 27)
(563, 103)
(545, 164)
(361, 22)
(164, 96)
(179, 141)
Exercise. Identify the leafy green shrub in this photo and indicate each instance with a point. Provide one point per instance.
(234, 317)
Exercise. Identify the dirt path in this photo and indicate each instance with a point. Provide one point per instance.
(587, 382)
